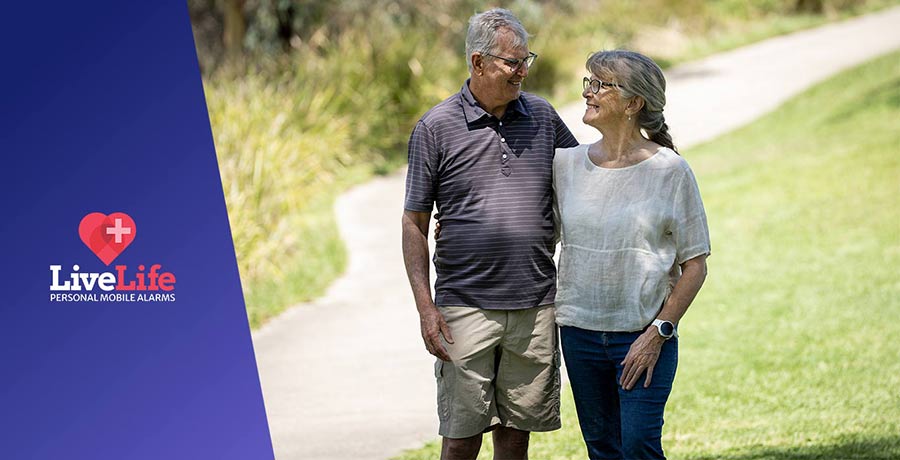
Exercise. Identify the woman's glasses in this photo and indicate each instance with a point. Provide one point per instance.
(595, 85)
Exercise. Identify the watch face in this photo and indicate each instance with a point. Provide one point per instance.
(666, 329)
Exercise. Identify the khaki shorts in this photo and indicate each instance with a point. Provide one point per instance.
(504, 371)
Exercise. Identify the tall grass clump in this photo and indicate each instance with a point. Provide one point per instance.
(291, 133)
(270, 136)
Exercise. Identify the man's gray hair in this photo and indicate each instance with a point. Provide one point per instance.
(484, 29)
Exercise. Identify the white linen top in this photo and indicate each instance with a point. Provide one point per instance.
(624, 234)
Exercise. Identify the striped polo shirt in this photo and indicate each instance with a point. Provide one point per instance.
(491, 180)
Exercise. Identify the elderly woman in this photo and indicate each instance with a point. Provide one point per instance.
(634, 246)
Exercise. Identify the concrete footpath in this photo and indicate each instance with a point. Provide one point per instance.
(347, 376)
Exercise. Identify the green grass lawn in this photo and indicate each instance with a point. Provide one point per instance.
(791, 349)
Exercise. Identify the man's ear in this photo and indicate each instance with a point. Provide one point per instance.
(477, 63)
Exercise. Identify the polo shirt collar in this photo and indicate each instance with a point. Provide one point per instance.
(474, 111)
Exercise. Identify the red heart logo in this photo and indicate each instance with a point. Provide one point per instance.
(107, 236)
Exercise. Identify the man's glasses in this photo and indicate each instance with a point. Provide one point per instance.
(595, 85)
(516, 64)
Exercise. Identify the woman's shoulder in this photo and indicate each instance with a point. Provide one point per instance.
(567, 154)
(669, 159)
(571, 150)
(565, 159)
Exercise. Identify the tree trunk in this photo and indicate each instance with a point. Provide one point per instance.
(285, 26)
(235, 27)
(809, 6)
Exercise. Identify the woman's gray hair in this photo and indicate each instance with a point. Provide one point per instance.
(484, 29)
(637, 75)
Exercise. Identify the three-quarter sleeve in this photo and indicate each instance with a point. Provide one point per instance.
(422, 174)
(689, 229)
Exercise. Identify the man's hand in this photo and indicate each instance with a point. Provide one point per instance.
(642, 356)
(415, 256)
(433, 328)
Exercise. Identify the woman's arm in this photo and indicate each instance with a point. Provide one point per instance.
(693, 273)
(645, 350)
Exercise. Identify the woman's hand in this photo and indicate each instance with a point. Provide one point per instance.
(641, 357)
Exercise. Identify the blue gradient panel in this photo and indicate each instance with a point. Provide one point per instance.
(103, 111)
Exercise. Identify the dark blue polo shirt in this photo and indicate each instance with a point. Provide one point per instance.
(492, 183)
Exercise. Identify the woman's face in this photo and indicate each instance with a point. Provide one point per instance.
(604, 106)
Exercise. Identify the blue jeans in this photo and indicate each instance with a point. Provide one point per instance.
(615, 423)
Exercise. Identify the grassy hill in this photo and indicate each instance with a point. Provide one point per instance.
(789, 351)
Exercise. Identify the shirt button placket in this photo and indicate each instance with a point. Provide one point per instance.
(505, 167)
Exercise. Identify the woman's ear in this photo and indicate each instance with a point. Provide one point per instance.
(634, 105)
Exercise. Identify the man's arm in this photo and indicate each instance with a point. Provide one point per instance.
(415, 256)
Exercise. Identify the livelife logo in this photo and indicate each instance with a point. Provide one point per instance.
(107, 236)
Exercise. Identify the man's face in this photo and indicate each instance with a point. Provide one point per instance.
(503, 81)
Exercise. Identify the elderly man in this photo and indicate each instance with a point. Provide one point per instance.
(484, 157)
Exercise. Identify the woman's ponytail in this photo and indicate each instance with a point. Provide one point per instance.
(662, 137)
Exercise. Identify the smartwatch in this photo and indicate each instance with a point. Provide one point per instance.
(665, 328)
